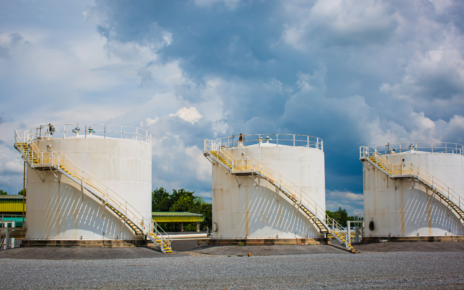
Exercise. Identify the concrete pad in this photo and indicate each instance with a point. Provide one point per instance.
(54, 253)
(268, 250)
(411, 247)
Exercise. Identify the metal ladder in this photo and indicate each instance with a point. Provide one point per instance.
(56, 161)
(250, 167)
(409, 170)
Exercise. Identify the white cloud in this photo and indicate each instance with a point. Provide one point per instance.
(232, 4)
(190, 115)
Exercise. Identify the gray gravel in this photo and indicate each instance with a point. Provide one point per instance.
(368, 270)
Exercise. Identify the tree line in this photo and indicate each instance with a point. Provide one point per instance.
(21, 192)
(341, 216)
(181, 200)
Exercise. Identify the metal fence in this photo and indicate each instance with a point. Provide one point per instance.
(87, 130)
(277, 139)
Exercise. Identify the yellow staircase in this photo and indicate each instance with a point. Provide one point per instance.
(379, 164)
(410, 170)
(342, 238)
(165, 246)
(221, 159)
(57, 161)
(322, 228)
(26, 152)
(248, 166)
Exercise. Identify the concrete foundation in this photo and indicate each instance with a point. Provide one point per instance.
(267, 242)
(368, 240)
(85, 243)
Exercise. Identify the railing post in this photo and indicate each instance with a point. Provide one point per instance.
(432, 147)
(64, 129)
(307, 140)
(446, 150)
(136, 134)
(122, 132)
(277, 137)
(85, 132)
(104, 132)
(293, 140)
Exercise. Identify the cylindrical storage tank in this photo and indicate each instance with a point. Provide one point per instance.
(249, 208)
(404, 207)
(118, 157)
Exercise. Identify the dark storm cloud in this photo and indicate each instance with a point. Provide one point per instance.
(338, 69)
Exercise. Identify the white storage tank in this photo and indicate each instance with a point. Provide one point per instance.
(418, 195)
(249, 208)
(118, 157)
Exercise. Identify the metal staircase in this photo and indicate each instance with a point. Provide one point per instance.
(56, 161)
(437, 188)
(254, 167)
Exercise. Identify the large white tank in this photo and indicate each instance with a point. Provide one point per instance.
(247, 207)
(403, 207)
(119, 157)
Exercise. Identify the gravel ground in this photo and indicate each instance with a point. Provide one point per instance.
(315, 271)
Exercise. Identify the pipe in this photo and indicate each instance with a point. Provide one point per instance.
(188, 236)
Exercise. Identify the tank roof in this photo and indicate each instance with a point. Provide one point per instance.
(295, 140)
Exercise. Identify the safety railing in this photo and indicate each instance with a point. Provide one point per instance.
(276, 139)
(364, 152)
(410, 169)
(431, 181)
(86, 131)
(158, 231)
(55, 159)
(255, 165)
(420, 147)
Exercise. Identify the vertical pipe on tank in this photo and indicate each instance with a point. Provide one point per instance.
(24, 193)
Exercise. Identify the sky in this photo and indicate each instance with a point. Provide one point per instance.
(352, 72)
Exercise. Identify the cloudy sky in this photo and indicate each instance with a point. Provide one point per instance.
(352, 72)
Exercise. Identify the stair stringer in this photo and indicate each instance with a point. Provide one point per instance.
(110, 206)
(289, 197)
(455, 209)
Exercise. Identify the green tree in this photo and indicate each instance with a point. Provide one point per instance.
(181, 200)
(341, 216)
(3, 192)
(22, 192)
(161, 200)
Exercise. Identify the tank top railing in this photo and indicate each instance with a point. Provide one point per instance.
(294, 140)
(420, 147)
(55, 159)
(88, 130)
